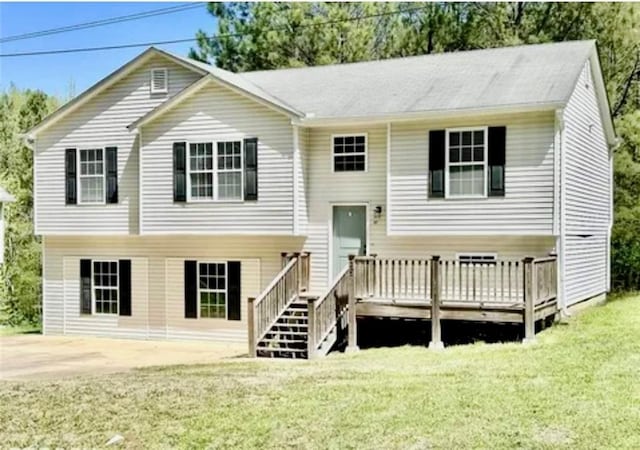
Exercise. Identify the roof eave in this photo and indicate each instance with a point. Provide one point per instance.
(310, 121)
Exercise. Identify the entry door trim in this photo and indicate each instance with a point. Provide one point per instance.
(330, 228)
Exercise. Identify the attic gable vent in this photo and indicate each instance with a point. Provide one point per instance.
(159, 81)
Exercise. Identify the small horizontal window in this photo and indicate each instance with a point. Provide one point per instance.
(350, 153)
(477, 258)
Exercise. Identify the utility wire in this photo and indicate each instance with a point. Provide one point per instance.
(102, 22)
(210, 38)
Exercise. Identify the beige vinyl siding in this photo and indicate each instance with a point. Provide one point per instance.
(157, 283)
(99, 123)
(326, 188)
(526, 209)
(587, 198)
(217, 113)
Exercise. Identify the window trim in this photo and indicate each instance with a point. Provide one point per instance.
(80, 176)
(485, 162)
(226, 289)
(164, 90)
(214, 145)
(116, 288)
(334, 154)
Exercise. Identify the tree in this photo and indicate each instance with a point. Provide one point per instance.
(20, 290)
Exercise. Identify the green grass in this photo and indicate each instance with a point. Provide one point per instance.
(578, 387)
(20, 329)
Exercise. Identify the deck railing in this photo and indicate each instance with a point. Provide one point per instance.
(546, 278)
(327, 312)
(528, 285)
(264, 310)
(498, 282)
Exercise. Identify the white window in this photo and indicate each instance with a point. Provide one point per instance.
(218, 177)
(91, 179)
(350, 153)
(159, 81)
(201, 171)
(105, 287)
(467, 163)
(476, 258)
(212, 290)
(229, 170)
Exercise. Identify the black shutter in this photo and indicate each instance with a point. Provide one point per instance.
(496, 160)
(436, 163)
(111, 167)
(85, 286)
(191, 289)
(234, 291)
(251, 169)
(124, 287)
(71, 183)
(179, 171)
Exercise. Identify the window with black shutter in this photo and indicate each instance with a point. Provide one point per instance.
(212, 290)
(112, 174)
(496, 161)
(436, 163)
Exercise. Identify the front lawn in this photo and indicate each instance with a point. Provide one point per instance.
(579, 387)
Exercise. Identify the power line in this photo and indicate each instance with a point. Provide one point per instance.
(193, 39)
(102, 22)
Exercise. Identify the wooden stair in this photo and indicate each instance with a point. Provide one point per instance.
(288, 336)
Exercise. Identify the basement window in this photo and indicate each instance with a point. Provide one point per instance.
(105, 287)
(212, 289)
(159, 81)
(476, 258)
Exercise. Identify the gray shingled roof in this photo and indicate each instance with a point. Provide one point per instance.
(500, 77)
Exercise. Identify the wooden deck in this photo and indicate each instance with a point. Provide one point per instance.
(286, 321)
(504, 291)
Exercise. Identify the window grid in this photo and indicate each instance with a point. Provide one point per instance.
(215, 177)
(229, 170)
(466, 161)
(201, 170)
(212, 290)
(350, 153)
(91, 176)
(105, 287)
(477, 258)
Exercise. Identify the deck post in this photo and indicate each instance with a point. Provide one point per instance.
(353, 332)
(529, 318)
(252, 327)
(311, 327)
(436, 290)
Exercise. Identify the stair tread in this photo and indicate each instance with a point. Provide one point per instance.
(277, 349)
(292, 333)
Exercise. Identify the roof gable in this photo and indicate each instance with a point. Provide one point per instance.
(104, 84)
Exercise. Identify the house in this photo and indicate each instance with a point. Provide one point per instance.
(177, 200)
(5, 198)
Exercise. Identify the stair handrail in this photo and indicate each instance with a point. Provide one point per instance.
(264, 310)
(326, 311)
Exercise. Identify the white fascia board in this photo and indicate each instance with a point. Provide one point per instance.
(310, 121)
